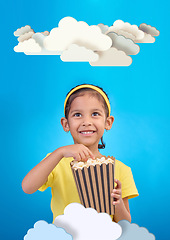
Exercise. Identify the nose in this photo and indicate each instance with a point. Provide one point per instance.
(86, 122)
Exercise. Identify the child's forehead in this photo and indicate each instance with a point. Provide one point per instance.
(90, 96)
(86, 99)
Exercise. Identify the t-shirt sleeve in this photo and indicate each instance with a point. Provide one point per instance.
(127, 182)
(49, 180)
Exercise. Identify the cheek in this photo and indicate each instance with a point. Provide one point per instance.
(73, 125)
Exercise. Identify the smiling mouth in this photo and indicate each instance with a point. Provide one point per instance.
(87, 133)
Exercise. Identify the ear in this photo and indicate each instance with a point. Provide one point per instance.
(109, 122)
(64, 123)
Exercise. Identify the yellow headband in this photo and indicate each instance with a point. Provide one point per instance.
(92, 87)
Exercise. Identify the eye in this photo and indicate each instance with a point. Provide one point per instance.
(77, 115)
(95, 114)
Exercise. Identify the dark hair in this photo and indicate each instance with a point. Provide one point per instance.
(78, 93)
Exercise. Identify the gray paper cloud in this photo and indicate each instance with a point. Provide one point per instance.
(124, 44)
(104, 28)
(149, 29)
(131, 231)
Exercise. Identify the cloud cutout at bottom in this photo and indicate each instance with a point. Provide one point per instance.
(80, 223)
(87, 224)
(112, 57)
(131, 231)
(44, 231)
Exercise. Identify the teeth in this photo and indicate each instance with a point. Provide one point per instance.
(87, 132)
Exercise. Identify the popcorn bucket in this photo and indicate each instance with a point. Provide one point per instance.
(95, 183)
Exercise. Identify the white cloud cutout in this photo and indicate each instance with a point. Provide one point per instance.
(124, 44)
(39, 38)
(22, 30)
(104, 28)
(76, 53)
(44, 231)
(87, 224)
(29, 45)
(131, 231)
(147, 39)
(149, 29)
(71, 31)
(127, 30)
(34, 46)
(25, 36)
(112, 57)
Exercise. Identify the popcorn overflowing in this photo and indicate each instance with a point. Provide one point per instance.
(77, 164)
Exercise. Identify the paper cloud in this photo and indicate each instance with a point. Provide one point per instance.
(39, 38)
(85, 223)
(25, 36)
(112, 57)
(76, 53)
(44, 231)
(131, 231)
(104, 28)
(147, 39)
(23, 30)
(124, 44)
(46, 33)
(71, 31)
(99, 45)
(149, 29)
(29, 45)
(127, 30)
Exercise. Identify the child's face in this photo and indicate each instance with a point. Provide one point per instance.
(87, 120)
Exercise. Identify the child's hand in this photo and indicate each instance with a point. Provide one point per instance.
(78, 151)
(117, 193)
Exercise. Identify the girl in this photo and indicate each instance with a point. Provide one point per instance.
(87, 115)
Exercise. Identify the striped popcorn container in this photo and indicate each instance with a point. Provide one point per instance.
(94, 184)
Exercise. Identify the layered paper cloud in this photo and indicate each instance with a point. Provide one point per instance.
(23, 30)
(86, 223)
(149, 29)
(28, 46)
(25, 36)
(131, 231)
(112, 57)
(104, 28)
(80, 223)
(124, 44)
(44, 231)
(127, 30)
(71, 31)
(146, 39)
(76, 41)
(76, 53)
(39, 38)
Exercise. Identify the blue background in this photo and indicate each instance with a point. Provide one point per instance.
(32, 94)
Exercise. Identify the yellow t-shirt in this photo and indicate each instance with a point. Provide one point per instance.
(64, 190)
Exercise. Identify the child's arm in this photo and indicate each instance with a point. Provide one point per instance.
(121, 205)
(39, 174)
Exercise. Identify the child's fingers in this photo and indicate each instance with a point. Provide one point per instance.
(77, 156)
(91, 154)
(116, 191)
(115, 196)
(118, 184)
(86, 153)
(116, 202)
(83, 156)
